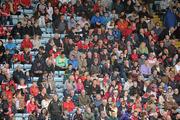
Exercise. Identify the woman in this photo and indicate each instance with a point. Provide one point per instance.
(49, 10)
(26, 43)
(34, 90)
(43, 115)
(20, 101)
(45, 102)
(31, 105)
(68, 105)
(113, 112)
(22, 85)
(5, 14)
(79, 86)
(143, 49)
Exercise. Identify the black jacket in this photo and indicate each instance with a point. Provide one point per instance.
(55, 108)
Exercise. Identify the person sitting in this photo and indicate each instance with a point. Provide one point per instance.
(34, 90)
(26, 57)
(26, 43)
(68, 105)
(61, 62)
(31, 105)
(96, 20)
(145, 70)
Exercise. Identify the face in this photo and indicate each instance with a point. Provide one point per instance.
(55, 97)
(176, 91)
(68, 99)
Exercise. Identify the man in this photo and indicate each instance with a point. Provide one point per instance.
(60, 26)
(61, 62)
(17, 31)
(38, 64)
(84, 99)
(11, 46)
(55, 109)
(58, 42)
(96, 20)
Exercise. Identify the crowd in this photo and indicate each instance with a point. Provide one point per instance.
(119, 63)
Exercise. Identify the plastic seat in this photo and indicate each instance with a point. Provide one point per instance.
(59, 90)
(46, 35)
(43, 30)
(33, 53)
(18, 41)
(60, 95)
(18, 47)
(26, 11)
(27, 66)
(59, 85)
(15, 21)
(62, 72)
(35, 79)
(15, 65)
(49, 30)
(62, 36)
(44, 40)
(4, 40)
(78, 18)
(58, 79)
(29, 85)
(18, 116)
(14, 16)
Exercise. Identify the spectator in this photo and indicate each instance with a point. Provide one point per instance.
(20, 101)
(28, 28)
(145, 70)
(26, 3)
(11, 46)
(43, 115)
(17, 31)
(60, 27)
(143, 49)
(26, 57)
(18, 74)
(38, 64)
(31, 105)
(33, 115)
(34, 90)
(116, 63)
(55, 108)
(49, 10)
(118, 6)
(170, 14)
(68, 105)
(5, 14)
(96, 20)
(84, 99)
(61, 62)
(89, 114)
(26, 43)
(78, 115)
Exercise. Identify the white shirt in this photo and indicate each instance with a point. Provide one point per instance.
(45, 103)
(177, 67)
(22, 87)
(50, 12)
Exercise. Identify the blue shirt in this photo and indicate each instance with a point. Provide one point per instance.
(11, 47)
(96, 19)
(74, 63)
